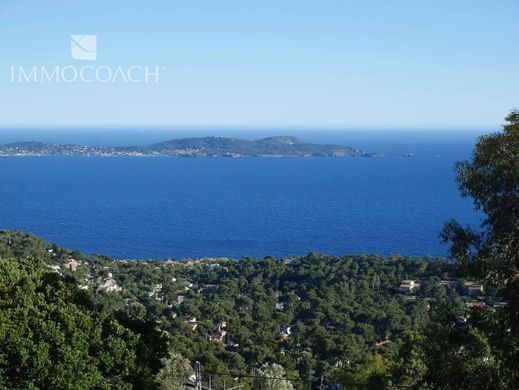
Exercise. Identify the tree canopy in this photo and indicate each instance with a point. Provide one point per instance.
(491, 179)
(52, 336)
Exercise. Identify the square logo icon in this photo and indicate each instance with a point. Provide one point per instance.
(83, 47)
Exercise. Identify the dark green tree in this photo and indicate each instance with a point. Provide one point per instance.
(491, 179)
(53, 337)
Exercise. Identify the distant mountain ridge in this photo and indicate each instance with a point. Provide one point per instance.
(280, 146)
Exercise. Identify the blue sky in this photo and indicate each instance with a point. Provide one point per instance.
(272, 63)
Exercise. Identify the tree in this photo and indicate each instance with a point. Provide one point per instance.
(483, 348)
(474, 351)
(491, 179)
(53, 336)
(176, 370)
(272, 377)
(374, 373)
(410, 366)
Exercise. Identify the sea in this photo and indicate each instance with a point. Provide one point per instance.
(168, 207)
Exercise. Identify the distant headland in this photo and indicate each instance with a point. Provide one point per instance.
(283, 146)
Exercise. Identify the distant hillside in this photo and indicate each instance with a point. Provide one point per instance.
(285, 146)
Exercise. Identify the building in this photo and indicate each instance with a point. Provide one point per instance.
(207, 289)
(109, 285)
(155, 292)
(449, 284)
(473, 289)
(475, 305)
(285, 332)
(192, 323)
(383, 343)
(218, 336)
(188, 263)
(212, 266)
(72, 264)
(409, 286)
(53, 268)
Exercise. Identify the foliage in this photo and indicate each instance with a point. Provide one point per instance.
(491, 179)
(51, 336)
(481, 351)
(175, 371)
(483, 348)
(271, 377)
(374, 373)
(337, 308)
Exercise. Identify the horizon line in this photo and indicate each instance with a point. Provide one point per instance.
(248, 127)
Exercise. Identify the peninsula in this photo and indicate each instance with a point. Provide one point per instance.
(284, 146)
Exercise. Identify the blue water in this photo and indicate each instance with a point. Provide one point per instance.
(179, 207)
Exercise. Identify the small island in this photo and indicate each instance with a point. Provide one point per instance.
(282, 146)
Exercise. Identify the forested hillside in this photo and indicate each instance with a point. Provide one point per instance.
(334, 319)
